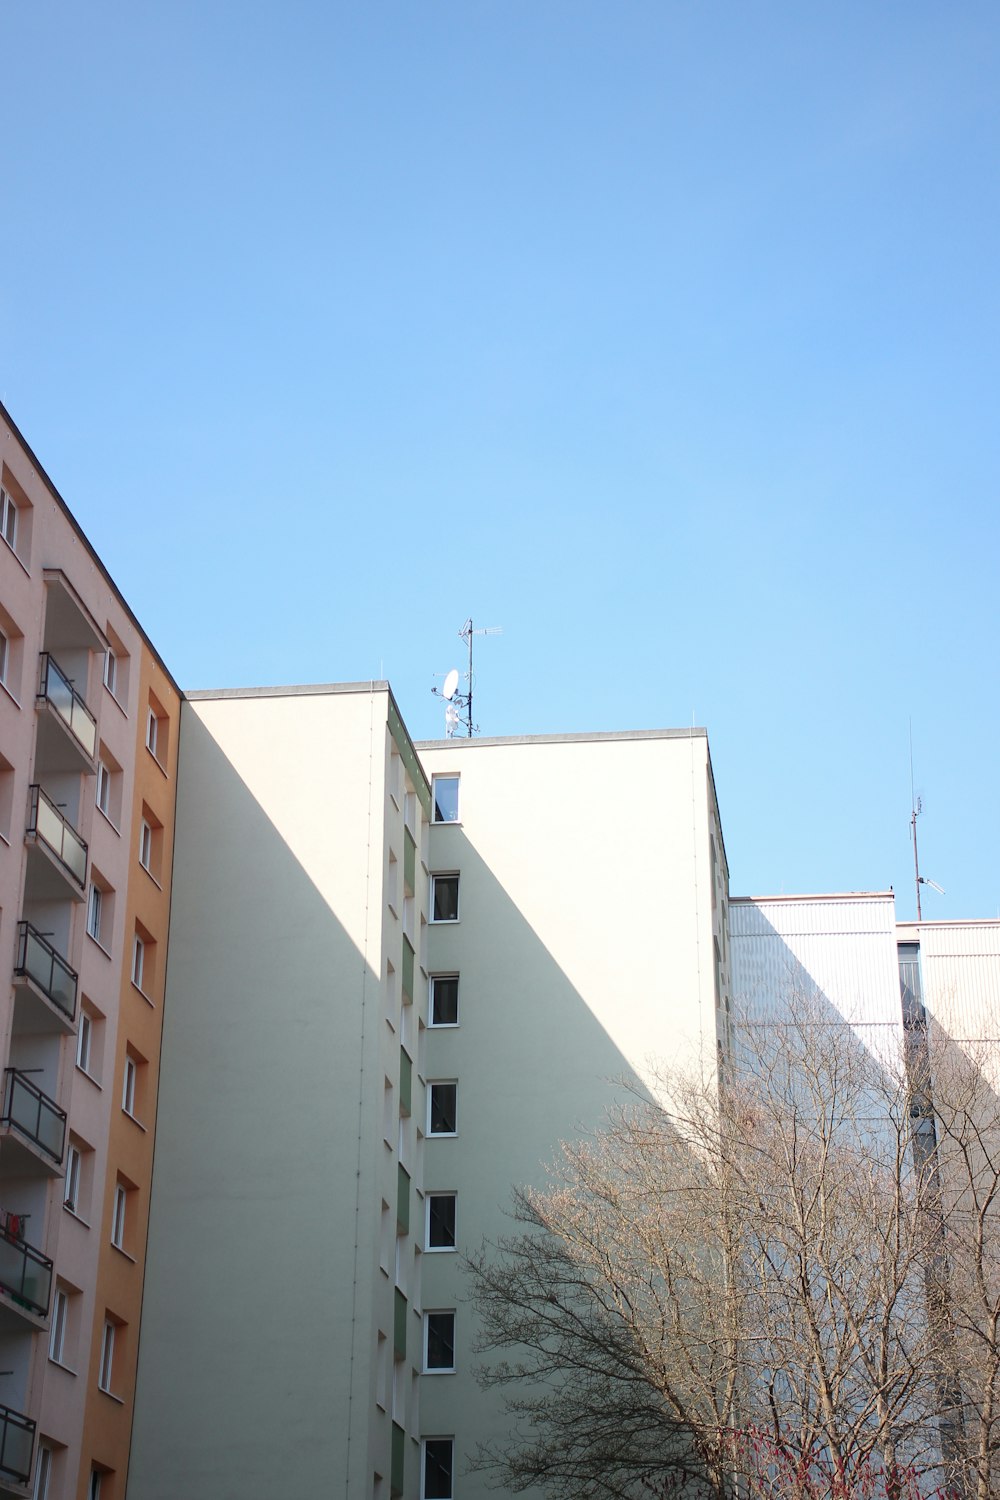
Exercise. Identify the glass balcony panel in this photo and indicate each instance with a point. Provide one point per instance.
(37, 959)
(408, 964)
(46, 822)
(17, 1440)
(25, 1274)
(61, 694)
(34, 1114)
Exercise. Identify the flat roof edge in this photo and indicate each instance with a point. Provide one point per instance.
(818, 896)
(595, 737)
(295, 690)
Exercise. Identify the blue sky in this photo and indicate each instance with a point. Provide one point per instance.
(664, 335)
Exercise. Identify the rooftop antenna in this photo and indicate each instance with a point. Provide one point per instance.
(917, 804)
(458, 706)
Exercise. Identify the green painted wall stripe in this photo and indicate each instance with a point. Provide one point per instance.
(405, 747)
(402, 1199)
(409, 862)
(405, 1083)
(398, 1459)
(408, 968)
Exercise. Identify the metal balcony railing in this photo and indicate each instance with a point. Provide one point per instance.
(34, 1115)
(17, 1443)
(37, 960)
(25, 1273)
(48, 824)
(55, 687)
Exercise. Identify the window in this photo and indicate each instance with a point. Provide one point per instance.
(104, 788)
(445, 790)
(157, 730)
(444, 1000)
(138, 960)
(129, 1086)
(106, 1367)
(440, 1221)
(145, 844)
(43, 1473)
(444, 898)
(8, 520)
(72, 1188)
(442, 1111)
(94, 912)
(150, 841)
(116, 663)
(57, 1332)
(439, 1456)
(94, 1492)
(4, 657)
(118, 1216)
(111, 672)
(84, 1038)
(439, 1342)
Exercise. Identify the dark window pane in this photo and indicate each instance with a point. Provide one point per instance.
(444, 1001)
(441, 1223)
(445, 898)
(437, 1468)
(446, 799)
(441, 1341)
(444, 1097)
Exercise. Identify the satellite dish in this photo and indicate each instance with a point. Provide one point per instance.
(450, 684)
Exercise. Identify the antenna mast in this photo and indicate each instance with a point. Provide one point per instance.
(917, 804)
(454, 700)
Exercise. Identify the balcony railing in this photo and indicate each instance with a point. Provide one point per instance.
(37, 960)
(25, 1273)
(55, 687)
(34, 1115)
(49, 825)
(17, 1442)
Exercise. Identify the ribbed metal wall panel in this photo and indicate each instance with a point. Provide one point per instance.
(960, 965)
(835, 951)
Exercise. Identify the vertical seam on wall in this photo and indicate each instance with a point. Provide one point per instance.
(697, 911)
(361, 1100)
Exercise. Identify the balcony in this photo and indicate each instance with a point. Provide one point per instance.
(25, 1280)
(67, 730)
(17, 1444)
(59, 867)
(32, 1129)
(46, 985)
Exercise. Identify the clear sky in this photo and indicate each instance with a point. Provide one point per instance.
(663, 333)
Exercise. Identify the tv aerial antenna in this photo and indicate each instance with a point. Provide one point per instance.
(917, 804)
(458, 706)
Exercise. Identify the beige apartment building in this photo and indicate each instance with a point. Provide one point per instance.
(88, 724)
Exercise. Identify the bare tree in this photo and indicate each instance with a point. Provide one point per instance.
(727, 1289)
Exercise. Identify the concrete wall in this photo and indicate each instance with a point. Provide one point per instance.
(584, 949)
(264, 1294)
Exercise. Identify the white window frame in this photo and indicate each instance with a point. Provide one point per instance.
(441, 1025)
(4, 656)
(432, 1084)
(111, 672)
(103, 798)
(57, 1333)
(438, 1312)
(106, 1369)
(423, 1465)
(84, 1040)
(129, 1080)
(152, 731)
(145, 846)
(43, 1473)
(94, 903)
(118, 1212)
(138, 960)
(71, 1195)
(430, 1249)
(445, 822)
(8, 520)
(446, 875)
(94, 1493)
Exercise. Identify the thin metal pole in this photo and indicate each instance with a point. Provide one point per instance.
(916, 863)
